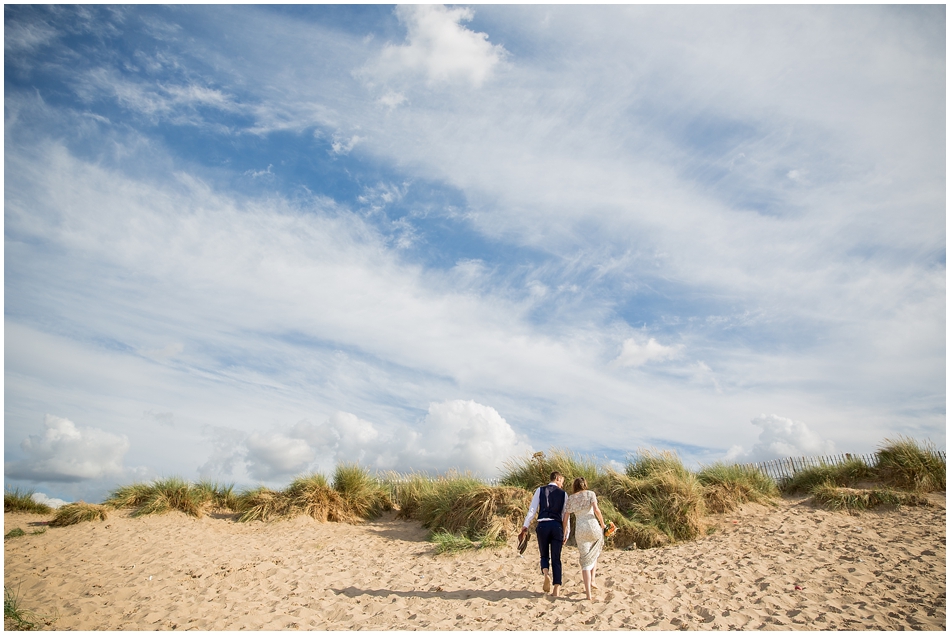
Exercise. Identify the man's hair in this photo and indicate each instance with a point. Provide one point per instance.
(555, 475)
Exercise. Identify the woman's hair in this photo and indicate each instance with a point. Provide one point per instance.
(580, 484)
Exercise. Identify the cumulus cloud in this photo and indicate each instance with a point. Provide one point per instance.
(273, 455)
(65, 452)
(43, 499)
(468, 436)
(440, 47)
(780, 438)
(636, 354)
(454, 435)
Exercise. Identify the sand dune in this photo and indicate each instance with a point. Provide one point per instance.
(786, 568)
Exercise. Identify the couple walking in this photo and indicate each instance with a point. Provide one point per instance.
(553, 507)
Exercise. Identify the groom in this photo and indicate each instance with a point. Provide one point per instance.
(549, 503)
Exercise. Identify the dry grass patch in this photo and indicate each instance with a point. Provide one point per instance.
(834, 498)
(908, 464)
(16, 501)
(75, 513)
(726, 487)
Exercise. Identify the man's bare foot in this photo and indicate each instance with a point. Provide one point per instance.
(556, 590)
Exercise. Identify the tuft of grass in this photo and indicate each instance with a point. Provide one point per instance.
(489, 514)
(844, 474)
(646, 464)
(216, 495)
(725, 487)
(311, 495)
(447, 542)
(668, 499)
(437, 503)
(129, 496)
(75, 513)
(832, 497)
(172, 493)
(16, 501)
(365, 495)
(18, 618)
(908, 464)
(16, 532)
(531, 473)
(262, 504)
(407, 492)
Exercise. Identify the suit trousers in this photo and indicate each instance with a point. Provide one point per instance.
(550, 540)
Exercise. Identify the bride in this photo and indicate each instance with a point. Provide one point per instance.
(590, 530)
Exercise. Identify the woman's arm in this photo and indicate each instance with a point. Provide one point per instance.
(600, 517)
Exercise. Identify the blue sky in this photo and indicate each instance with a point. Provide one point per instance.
(242, 243)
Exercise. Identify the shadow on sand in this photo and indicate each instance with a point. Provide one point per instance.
(461, 594)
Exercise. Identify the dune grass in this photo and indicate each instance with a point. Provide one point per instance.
(846, 474)
(726, 487)
(908, 464)
(447, 542)
(311, 495)
(16, 501)
(532, 472)
(262, 504)
(355, 496)
(173, 493)
(16, 532)
(654, 499)
(835, 498)
(366, 495)
(18, 618)
(75, 513)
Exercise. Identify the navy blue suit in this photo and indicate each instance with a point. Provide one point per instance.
(550, 530)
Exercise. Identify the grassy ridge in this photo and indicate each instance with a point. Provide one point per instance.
(654, 499)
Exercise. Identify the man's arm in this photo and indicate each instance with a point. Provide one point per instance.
(533, 509)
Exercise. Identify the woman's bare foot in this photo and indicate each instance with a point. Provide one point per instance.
(556, 590)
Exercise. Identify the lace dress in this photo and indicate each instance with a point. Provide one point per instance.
(588, 534)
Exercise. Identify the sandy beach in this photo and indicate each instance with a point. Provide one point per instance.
(791, 567)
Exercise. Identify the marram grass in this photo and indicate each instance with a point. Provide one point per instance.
(726, 487)
(834, 498)
(173, 493)
(447, 542)
(75, 513)
(16, 501)
(908, 464)
(846, 474)
(654, 499)
(535, 471)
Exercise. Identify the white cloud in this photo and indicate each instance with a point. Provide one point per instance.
(392, 99)
(43, 499)
(781, 438)
(635, 353)
(174, 102)
(454, 435)
(440, 47)
(273, 455)
(582, 152)
(468, 436)
(66, 452)
(341, 146)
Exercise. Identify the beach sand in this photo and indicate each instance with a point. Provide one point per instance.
(789, 567)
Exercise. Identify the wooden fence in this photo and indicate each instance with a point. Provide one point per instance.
(780, 470)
